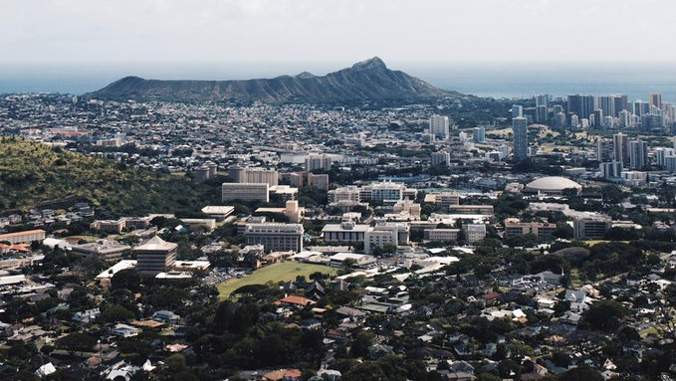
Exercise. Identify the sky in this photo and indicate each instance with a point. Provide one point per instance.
(54, 32)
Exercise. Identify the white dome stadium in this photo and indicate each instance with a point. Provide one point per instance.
(553, 184)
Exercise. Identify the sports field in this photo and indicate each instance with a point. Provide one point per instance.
(277, 272)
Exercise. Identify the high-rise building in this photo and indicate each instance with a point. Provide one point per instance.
(624, 119)
(321, 162)
(581, 105)
(520, 134)
(621, 148)
(598, 118)
(440, 159)
(611, 169)
(542, 100)
(254, 175)
(641, 108)
(656, 100)
(517, 111)
(607, 104)
(621, 104)
(604, 150)
(439, 126)
(661, 155)
(608, 122)
(560, 120)
(479, 134)
(638, 153)
(541, 114)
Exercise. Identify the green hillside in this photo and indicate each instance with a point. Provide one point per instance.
(32, 173)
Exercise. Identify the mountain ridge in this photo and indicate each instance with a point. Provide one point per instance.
(365, 81)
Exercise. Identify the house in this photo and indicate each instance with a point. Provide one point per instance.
(87, 316)
(308, 324)
(329, 374)
(377, 351)
(167, 317)
(283, 375)
(460, 367)
(296, 300)
(6, 330)
(124, 330)
(45, 370)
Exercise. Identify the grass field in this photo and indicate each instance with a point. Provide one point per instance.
(277, 272)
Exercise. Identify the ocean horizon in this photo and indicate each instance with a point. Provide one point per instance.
(636, 81)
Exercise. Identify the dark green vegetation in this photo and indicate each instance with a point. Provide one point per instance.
(34, 173)
(368, 81)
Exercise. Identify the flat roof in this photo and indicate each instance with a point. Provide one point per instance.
(116, 268)
(218, 210)
(18, 234)
(344, 256)
(339, 228)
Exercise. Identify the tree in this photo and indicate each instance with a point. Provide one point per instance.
(115, 313)
(581, 373)
(605, 315)
(611, 194)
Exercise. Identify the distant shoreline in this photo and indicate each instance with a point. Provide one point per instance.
(489, 80)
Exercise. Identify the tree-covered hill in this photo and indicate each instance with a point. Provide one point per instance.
(32, 173)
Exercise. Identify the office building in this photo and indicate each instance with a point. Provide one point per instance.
(474, 232)
(107, 250)
(515, 228)
(348, 193)
(520, 136)
(27, 236)
(441, 235)
(439, 126)
(155, 256)
(391, 233)
(274, 236)
(479, 134)
(593, 227)
(245, 192)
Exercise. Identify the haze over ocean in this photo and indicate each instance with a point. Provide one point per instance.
(485, 79)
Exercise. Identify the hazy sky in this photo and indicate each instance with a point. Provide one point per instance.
(345, 31)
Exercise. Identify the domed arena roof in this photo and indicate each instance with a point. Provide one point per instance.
(553, 183)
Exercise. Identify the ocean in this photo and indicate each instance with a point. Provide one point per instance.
(484, 79)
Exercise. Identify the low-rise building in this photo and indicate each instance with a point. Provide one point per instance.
(275, 236)
(23, 237)
(515, 228)
(245, 192)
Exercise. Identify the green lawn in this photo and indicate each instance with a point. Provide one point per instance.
(277, 272)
